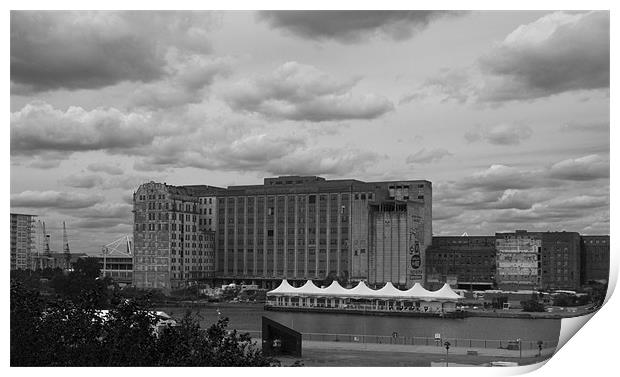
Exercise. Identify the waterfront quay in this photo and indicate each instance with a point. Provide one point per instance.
(476, 339)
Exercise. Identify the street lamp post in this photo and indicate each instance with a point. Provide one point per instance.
(519, 341)
(447, 345)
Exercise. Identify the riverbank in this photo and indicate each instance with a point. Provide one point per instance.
(556, 313)
(379, 313)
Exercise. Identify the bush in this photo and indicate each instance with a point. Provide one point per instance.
(75, 333)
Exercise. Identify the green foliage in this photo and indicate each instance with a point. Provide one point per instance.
(76, 333)
(533, 304)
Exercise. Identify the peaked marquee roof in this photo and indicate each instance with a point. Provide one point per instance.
(388, 291)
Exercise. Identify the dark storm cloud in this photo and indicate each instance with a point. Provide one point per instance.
(83, 49)
(54, 199)
(424, 156)
(557, 53)
(351, 26)
(501, 134)
(301, 92)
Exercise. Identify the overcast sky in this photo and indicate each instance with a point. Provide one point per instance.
(507, 113)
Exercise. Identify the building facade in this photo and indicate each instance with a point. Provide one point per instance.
(465, 262)
(300, 228)
(22, 241)
(560, 260)
(594, 259)
(170, 245)
(518, 260)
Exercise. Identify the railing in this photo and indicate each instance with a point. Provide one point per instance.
(419, 341)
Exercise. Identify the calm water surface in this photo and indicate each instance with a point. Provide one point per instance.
(249, 318)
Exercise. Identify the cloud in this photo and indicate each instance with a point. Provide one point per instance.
(588, 127)
(302, 92)
(82, 181)
(518, 199)
(501, 177)
(108, 211)
(501, 134)
(102, 223)
(98, 167)
(339, 162)
(558, 53)
(351, 26)
(187, 79)
(93, 49)
(424, 156)
(54, 199)
(263, 152)
(581, 169)
(39, 128)
(445, 213)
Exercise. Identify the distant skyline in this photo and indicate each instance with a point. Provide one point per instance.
(505, 112)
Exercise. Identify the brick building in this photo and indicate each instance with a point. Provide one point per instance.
(171, 243)
(594, 259)
(466, 262)
(560, 260)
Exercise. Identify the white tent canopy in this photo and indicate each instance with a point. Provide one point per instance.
(388, 291)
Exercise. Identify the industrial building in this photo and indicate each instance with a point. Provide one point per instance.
(518, 260)
(300, 228)
(306, 227)
(465, 262)
(290, 227)
(595, 259)
(560, 260)
(22, 241)
(171, 245)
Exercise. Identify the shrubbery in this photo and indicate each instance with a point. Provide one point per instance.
(74, 332)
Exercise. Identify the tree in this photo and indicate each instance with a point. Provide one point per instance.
(533, 304)
(75, 332)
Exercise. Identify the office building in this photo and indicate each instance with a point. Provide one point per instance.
(22, 241)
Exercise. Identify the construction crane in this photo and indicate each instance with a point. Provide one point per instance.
(65, 247)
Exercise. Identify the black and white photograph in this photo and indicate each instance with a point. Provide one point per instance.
(307, 188)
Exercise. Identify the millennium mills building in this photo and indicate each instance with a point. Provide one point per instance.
(300, 228)
(290, 227)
